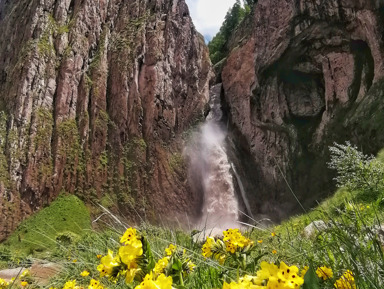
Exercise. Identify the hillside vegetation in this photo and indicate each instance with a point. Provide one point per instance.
(344, 248)
(218, 49)
(65, 220)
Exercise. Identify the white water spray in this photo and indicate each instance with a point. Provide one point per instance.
(209, 160)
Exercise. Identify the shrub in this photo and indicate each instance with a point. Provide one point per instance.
(356, 171)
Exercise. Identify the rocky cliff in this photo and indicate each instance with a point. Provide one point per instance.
(94, 96)
(301, 75)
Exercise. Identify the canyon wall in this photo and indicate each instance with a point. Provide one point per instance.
(94, 98)
(302, 74)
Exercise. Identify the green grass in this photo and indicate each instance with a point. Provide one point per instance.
(351, 241)
(66, 219)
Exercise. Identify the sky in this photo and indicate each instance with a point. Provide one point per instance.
(208, 15)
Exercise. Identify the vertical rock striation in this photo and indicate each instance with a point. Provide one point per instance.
(303, 74)
(94, 96)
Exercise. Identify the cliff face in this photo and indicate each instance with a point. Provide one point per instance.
(94, 96)
(305, 74)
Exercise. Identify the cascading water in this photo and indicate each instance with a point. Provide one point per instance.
(209, 161)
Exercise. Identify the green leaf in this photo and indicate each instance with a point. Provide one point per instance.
(311, 281)
(177, 265)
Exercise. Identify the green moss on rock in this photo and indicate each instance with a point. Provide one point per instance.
(39, 232)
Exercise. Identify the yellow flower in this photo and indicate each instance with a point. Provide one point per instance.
(232, 285)
(230, 247)
(130, 275)
(74, 260)
(129, 253)
(162, 282)
(284, 277)
(98, 256)
(94, 284)
(273, 234)
(85, 273)
(267, 270)
(26, 273)
(289, 275)
(274, 252)
(70, 285)
(221, 258)
(207, 247)
(260, 241)
(108, 263)
(3, 284)
(324, 272)
(246, 282)
(129, 235)
(24, 283)
(234, 239)
(304, 271)
(347, 281)
(169, 251)
(161, 265)
(191, 266)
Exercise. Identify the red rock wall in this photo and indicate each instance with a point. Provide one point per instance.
(94, 96)
(293, 84)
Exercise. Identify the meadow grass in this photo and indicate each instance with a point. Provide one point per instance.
(65, 220)
(352, 239)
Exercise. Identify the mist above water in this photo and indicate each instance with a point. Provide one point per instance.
(209, 165)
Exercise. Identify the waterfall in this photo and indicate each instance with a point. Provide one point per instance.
(209, 160)
(242, 191)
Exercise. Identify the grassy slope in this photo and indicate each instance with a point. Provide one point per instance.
(67, 215)
(350, 242)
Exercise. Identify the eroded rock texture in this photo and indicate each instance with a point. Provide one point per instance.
(305, 74)
(94, 96)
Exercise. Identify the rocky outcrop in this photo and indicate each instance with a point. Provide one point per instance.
(310, 73)
(94, 97)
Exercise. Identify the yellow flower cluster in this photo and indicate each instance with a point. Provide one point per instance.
(125, 263)
(94, 284)
(208, 246)
(233, 240)
(346, 281)
(283, 277)
(161, 265)
(129, 235)
(170, 250)
(324, 273)
(3, 284)
(71, 285)
(108, 265)
(270, 276)
(161, 282)
(245, 282)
